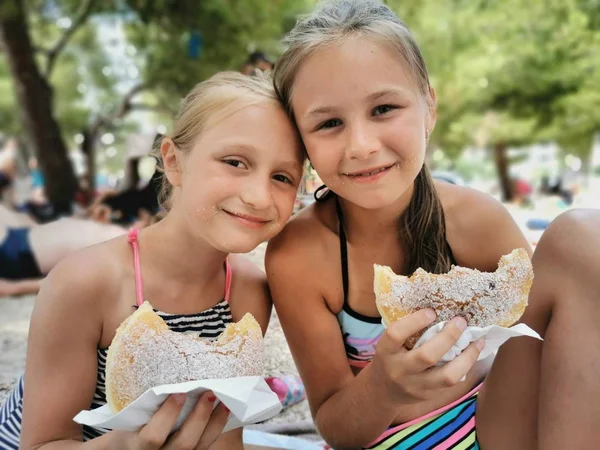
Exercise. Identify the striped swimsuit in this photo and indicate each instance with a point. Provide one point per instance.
(208, 324)
(450, 427)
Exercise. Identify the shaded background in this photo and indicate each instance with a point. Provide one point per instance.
(85, 85)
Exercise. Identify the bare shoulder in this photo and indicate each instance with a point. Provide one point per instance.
(249, 291)
(303, 242)
(80, 291)
(479, 228)
(82, 279)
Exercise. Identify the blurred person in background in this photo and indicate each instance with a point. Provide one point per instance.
(28, 251)
(256, 61)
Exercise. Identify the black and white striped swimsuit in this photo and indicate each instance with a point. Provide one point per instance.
(208, 324)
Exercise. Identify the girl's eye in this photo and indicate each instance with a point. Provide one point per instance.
(382, 109)
(331, 123)
(283, 179)
(235, 163)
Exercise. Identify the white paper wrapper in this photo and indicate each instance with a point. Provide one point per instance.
(494, 336)
(249, 399)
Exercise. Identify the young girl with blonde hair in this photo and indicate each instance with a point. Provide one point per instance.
(232, 167)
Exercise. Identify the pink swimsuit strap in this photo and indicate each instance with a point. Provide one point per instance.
(132, 238)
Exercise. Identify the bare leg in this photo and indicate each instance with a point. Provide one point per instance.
(546, 395)
(53, 241)
(15, 288)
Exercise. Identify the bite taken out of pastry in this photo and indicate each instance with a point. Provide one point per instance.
(482, 298)
(145, 353)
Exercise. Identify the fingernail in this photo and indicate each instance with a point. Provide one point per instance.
(430, 313)
(480, 343)
(227, 410)
(179, 398)
(460, 323)
(212, 398)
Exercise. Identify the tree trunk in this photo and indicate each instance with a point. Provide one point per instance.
(35, 97)
(502, 168)
(88, 148)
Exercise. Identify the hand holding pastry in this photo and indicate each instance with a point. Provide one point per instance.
(200, 429)
(410, 376)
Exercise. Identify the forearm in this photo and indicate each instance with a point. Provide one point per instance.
(356, 415)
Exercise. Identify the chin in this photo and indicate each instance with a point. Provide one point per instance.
(371, 200)
(241, 244)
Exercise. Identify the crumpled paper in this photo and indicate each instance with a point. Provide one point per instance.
(249, 399)
(494, 336)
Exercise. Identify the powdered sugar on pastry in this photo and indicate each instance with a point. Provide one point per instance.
(145, 353)
(482, 298)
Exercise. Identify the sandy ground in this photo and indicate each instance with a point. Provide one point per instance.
(14, 325)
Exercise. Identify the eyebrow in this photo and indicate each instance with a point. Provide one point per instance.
(373, 96)
(239, 146)
(291, 163)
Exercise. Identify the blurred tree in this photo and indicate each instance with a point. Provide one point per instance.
(180, 43)
(177, 44)
(35, 95)
(531, 63)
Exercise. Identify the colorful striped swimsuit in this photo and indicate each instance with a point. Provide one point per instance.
(450, 427)
(208, 324)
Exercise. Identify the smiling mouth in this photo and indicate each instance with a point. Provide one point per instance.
(369, 173)
(247, 217)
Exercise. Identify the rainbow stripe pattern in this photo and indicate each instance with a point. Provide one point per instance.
(454, 428)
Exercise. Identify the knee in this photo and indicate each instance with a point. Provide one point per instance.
(572, 242)
(575, 225)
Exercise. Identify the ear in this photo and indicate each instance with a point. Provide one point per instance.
(432, 111)
(170, 158)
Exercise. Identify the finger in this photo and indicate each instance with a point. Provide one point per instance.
(214, 428)
(429, 354)
(191, 431)
(154, 434)
(452, 373)
(392, 340)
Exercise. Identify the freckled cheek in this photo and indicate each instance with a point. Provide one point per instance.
(203, 199)
(202, 208)
(284, 203)
(327, 159)
(407, 145)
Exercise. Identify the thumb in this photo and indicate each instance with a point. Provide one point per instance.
(394, 337)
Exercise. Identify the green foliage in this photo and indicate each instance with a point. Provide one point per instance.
(228, 30)
(532, 65)
(510, 71)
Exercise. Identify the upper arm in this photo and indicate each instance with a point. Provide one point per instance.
(295, 275)
(61, 363)
(249, 291)
(480, 230)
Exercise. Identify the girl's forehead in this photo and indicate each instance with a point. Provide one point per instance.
(356, 67)
(253, 128)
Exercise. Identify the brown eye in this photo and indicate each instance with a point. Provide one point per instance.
(282, 179)
(382, 109)
(331, 123)
(234, 163)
